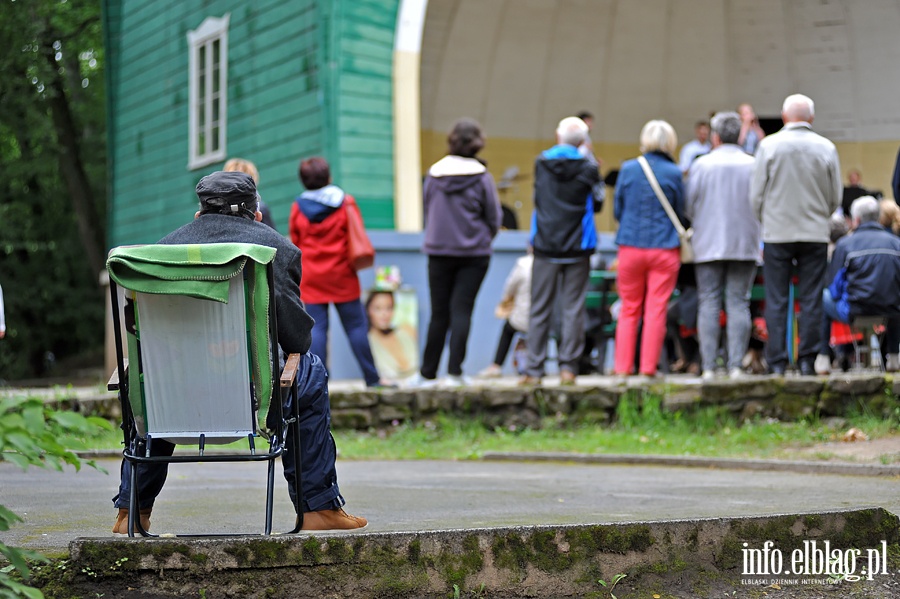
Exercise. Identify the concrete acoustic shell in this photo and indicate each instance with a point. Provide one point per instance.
(519, 66)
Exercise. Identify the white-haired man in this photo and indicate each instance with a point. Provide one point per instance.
(726, 242)
(864, 276)
(563, 237)
(796, 186)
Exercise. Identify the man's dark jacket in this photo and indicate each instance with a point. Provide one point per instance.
(563, 221)
(294, 324)
(865, 273)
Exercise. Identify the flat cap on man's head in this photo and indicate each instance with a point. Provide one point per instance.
(227, 191)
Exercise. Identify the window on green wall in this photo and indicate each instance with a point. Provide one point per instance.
(208, 72)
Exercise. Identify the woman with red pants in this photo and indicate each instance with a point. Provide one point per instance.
(649, 256)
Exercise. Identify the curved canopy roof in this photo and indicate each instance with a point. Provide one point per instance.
(518, 66)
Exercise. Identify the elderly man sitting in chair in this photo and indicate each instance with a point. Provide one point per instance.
(865, 276)
(229, 213)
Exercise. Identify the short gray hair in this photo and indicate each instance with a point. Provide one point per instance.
(658, 136)
(727, 125)
(866, 209)
(572, 130)
(799, 107)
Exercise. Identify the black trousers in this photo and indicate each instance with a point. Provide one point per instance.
(811, 261)
(506, 338)
(453, 283)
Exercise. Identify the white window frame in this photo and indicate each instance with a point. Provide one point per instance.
(212, 29)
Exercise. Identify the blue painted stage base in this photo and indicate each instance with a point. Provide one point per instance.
(404, 251)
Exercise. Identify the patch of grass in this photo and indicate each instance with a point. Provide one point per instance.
(648, 430)
(640, 427)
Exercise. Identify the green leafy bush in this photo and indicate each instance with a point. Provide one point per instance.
(29, 436)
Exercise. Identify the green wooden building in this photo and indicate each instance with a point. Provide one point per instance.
(374, 85)
(193, 83)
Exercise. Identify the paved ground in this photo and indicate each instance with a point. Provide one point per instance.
(430, 495)
(433, 495)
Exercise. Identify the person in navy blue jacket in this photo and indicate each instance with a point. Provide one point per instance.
(865, 276)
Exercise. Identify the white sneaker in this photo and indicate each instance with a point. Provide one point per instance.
(491, 372)
(823, 364)
(736, 374)
(892, 362)
(456, 380)
(708, 375)
(417, 381)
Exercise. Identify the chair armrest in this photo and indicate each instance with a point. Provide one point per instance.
(289, 374)
(113, 383)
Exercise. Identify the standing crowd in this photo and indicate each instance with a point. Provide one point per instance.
(742, 205)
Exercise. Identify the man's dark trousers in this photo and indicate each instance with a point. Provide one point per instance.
(318, 452)
(778, 269)
(568, 280)
(453, 282)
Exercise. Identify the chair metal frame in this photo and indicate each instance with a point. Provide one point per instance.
(137, 449)
(866, 325)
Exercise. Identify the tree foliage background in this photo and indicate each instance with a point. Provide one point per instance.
(52, 183)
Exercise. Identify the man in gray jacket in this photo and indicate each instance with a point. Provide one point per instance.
(796, 187)
(726, 242)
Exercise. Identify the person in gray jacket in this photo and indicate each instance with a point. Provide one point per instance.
(796, 186)
(462, 217)
(726, 242)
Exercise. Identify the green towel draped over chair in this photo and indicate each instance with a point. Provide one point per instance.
(203, 271)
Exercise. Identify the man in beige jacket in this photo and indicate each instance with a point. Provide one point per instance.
(795, 187)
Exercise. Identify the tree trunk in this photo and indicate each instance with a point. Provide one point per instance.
(71, 165)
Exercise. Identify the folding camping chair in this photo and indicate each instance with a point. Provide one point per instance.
(198, 323)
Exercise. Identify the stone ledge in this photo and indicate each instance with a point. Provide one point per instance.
(540, 561)
(597, 398)
(594, 400)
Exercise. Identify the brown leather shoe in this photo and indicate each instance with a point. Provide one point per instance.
(332, 519)
(121, 525)
(529, 381)
(566, 377)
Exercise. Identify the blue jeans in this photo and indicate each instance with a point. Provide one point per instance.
(829, 306)
(317, 449)
(353, 319)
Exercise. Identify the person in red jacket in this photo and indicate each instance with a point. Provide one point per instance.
(318, 226)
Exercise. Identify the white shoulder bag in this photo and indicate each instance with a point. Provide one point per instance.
(684, 235)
